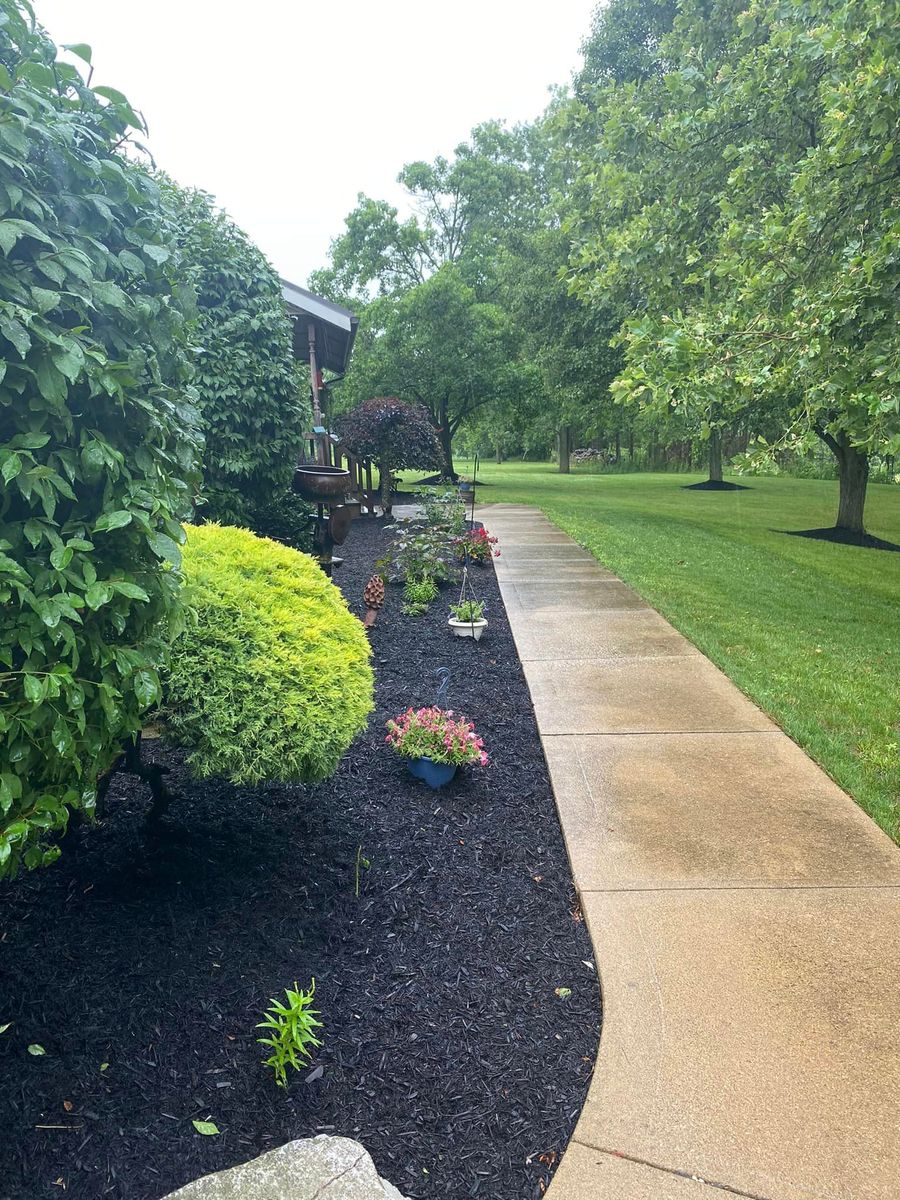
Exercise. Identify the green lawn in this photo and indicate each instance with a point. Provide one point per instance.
(809, 630)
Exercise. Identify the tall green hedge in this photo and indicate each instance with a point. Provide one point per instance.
(98, 439)
(270, 679)
(249, 388)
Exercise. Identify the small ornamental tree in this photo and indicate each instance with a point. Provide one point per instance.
(249, 388)
(397, 435)
(270, 678)
(98, 441)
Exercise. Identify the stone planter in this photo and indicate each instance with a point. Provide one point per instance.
(472, 629)
(322, 485)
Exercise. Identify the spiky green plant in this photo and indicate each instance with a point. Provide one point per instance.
(293, 1028)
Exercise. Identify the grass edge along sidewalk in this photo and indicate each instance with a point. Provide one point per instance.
(809, 630)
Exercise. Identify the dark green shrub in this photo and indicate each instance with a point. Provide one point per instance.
(271, 679)
(249, 387)
(286, 519)
(97, 439)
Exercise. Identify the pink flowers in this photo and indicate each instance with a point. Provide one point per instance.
(437, 734)
(478, 544)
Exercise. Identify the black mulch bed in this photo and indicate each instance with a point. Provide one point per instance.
(715, 485)
(844, 537)
(448, 1052)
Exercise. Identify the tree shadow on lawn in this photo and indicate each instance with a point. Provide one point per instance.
(843, 537)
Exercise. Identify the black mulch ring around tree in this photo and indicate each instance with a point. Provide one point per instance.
(141, 964)
(843, 537)
(715, 485)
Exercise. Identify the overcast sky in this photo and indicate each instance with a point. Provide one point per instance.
(286, 109)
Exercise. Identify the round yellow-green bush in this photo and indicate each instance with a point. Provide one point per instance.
(270, 678)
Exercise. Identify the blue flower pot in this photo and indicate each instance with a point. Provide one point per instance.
(433, 773)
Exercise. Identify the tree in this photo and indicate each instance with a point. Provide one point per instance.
(437, 346)
(248, 386)
(461, 208)
(395, 434)
(748, 218)
(98, 438)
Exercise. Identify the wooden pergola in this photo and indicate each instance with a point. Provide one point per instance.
(324, 334)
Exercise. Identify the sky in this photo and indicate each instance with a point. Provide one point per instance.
(285, 110)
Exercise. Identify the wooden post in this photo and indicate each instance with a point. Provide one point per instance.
(321, 452)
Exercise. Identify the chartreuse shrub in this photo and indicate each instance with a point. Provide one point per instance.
(271, 677)
(97, 438)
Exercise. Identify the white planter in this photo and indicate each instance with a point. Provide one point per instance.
(468, 628)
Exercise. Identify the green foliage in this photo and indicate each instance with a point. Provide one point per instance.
(248, 384)
(742, 199)
(293, 1027)
(445, 512)
(285, 518)
(438, 346)
(271, 679)
(98, 439)
(468, 610)
(417, 553)
(418, 594)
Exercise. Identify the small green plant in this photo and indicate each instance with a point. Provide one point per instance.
(361, 861)
(444, 511)
(468, 610)
(420, 591)
(418, 594)
(416, 553)
(293, 1028)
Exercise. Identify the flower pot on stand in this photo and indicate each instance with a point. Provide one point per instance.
(433, 773)
(473, 629)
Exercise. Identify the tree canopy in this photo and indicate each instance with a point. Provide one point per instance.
(249, 390)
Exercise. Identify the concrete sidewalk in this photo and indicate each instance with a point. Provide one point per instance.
(744, 912)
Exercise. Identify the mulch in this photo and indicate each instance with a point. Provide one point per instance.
(142, 963)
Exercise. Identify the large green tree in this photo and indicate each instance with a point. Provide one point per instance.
(744, 197)
(438, 346)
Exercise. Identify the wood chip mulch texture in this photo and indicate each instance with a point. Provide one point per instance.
(141, 963)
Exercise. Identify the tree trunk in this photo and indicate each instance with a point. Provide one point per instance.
(563, 440)
(715, 456)
(499, 454)
(853, 474)
(445, 437)
(385, 480)
(618, 446)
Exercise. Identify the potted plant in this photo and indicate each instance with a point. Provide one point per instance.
(476, 545)
(468, 619)
(435, 741)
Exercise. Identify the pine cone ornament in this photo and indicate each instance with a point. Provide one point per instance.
(373, 598)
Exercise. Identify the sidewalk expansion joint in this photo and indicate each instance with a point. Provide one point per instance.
(643, 1162)
(663, 733)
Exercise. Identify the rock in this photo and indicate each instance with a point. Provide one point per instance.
(319, 1168)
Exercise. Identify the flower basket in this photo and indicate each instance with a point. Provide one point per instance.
(436, 742)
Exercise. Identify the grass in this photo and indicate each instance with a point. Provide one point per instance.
(809, 630)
